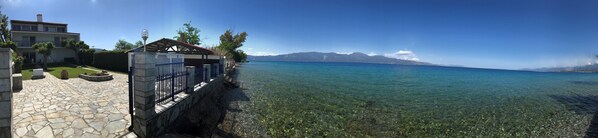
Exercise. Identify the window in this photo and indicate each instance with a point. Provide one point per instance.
(61, 29)
(27, 41)
(45, 29)
(26, 28)
(31, 40)
(34, 28)
(57, 42)
(51, 29)
(16, 27)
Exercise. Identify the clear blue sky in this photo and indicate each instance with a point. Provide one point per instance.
(478, 33)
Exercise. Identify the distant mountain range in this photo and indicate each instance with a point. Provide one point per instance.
(356, 57)
(585, 68)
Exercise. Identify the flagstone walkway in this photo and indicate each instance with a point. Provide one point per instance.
(51, 107)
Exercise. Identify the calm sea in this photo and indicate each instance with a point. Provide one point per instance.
(356, 99)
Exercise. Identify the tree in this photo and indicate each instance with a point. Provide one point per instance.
(5, 32)
(240, 56)
(138, 43)
(76, 46)
(190, 33)
(123, 45)
(230, 43)
(6, 42)
(9, 44)
(44, 49)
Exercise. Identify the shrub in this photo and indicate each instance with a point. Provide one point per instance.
(64, 74)
(111, 60)
(18, 62)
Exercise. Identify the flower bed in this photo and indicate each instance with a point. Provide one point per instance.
(103, 76)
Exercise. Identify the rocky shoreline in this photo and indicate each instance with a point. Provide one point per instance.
(223, 114)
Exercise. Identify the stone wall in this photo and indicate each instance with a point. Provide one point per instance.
(164, 118)
(5, 93)
(151, 119)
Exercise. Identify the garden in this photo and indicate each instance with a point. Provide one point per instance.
(56, 71)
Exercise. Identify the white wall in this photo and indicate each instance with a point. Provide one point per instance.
(57, 55)
(43, 37)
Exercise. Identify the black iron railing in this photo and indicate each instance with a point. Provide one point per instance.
(171, 79)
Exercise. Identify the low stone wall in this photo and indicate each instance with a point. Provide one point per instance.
(95, 78)
(151, 119)
(164, 118)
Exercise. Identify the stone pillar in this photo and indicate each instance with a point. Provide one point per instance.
(17, 82)
(5, 93)
(190, 78)
(144, 90)
(207, 74)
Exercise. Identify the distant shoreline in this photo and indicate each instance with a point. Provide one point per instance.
(520, 70)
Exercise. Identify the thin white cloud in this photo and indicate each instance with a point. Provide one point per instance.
(372, 54)
(403, 54)
(343, 53)
(12, 0)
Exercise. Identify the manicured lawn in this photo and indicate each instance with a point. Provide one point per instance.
(27, 74)
(73, 71)
(55, 71)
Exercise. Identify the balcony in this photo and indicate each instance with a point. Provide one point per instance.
(28, 44)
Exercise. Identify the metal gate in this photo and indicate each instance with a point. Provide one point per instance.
(171, 78)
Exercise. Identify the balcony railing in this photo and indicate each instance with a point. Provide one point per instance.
(29, 44)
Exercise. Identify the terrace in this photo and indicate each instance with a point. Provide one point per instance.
(71, 108)
(80, 108)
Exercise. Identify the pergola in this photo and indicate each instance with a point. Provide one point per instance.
(194, 55)
(166, 45)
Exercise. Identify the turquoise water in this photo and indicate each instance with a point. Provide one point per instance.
(355, 99)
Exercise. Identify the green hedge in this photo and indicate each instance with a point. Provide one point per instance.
(86, 57)
(111, 60)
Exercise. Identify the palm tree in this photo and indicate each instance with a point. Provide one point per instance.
(76, 46)
(44, 49)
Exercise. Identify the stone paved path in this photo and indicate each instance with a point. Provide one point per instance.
(51, 107)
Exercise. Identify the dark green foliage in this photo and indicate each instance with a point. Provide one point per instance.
(6, 42)
(18, 62)
(111, 60)
(240, 56)
(76, 46)
(231, 43)
(190, 33)
(123, 45)
(138, 44)
(9, 44)
(44, 49)
(86, 56)
(5, 32)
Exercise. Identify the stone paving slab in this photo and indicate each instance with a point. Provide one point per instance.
(51, 107)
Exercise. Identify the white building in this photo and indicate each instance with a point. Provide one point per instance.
(27, 33)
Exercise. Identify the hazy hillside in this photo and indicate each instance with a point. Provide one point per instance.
(334, 57)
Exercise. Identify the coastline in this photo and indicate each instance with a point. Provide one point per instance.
(224, 114)
(239, 119)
